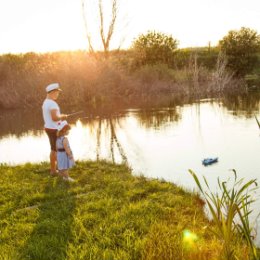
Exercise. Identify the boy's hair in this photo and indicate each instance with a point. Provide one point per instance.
(63, 130)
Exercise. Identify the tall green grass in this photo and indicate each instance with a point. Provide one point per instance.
(107, 214)
(230, 211)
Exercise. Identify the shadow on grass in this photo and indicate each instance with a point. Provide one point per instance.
(50, 237)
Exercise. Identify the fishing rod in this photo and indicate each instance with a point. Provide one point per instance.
(75, 113)
(88, 117)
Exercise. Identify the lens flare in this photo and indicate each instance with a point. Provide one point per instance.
(189, 238)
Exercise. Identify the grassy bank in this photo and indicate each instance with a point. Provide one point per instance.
(107, 214)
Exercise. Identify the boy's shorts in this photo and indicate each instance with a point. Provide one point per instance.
(52, 134)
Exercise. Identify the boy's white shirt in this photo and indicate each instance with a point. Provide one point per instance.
(47, 106)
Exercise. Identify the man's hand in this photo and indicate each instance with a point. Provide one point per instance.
(63, 116)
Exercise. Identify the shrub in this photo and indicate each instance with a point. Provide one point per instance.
(153, 48)
(241, 48)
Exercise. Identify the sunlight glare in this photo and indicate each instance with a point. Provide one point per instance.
(189, 238)
(28, 148)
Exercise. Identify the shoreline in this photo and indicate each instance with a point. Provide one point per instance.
(107, 212)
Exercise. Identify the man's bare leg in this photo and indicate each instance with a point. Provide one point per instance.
(53, 161)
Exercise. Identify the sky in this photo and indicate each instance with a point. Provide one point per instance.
(53, 25)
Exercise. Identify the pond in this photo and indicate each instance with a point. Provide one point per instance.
(162, 142)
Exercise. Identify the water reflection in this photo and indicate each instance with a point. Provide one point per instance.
(105, 141)
(246, 105)
(18, 122)
(156, 118)
(93, 137)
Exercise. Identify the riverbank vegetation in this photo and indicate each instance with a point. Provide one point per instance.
(230, 209)
(153, 67)
(107, 214)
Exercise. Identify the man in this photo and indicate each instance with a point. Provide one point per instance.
(52, 116)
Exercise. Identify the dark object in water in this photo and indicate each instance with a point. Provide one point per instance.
(209, 161)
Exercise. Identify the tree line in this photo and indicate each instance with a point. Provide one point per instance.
(153, 66)
(241, 48)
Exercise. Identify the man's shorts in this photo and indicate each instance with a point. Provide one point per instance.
(52, 134)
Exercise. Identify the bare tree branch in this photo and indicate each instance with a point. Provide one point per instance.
(112, 23)
(106, 36)
(101, 16)
(106, 39)
(90, 47)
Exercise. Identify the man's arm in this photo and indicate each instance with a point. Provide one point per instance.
(55, 117)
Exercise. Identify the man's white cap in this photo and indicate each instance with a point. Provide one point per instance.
(62, 124)
(53, 86)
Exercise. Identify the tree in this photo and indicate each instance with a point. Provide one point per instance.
(90, 47)
(154, 47)
(107, 38)
(100, 20)
(241, 49)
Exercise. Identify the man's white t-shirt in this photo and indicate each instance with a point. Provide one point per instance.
(47, 106)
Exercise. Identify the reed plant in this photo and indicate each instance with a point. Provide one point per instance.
(221, 77)
(230, 211)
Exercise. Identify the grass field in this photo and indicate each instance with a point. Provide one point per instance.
(106, 214)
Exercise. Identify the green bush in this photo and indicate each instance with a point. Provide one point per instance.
(153, 48)
(206, 57)
(241, 48)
